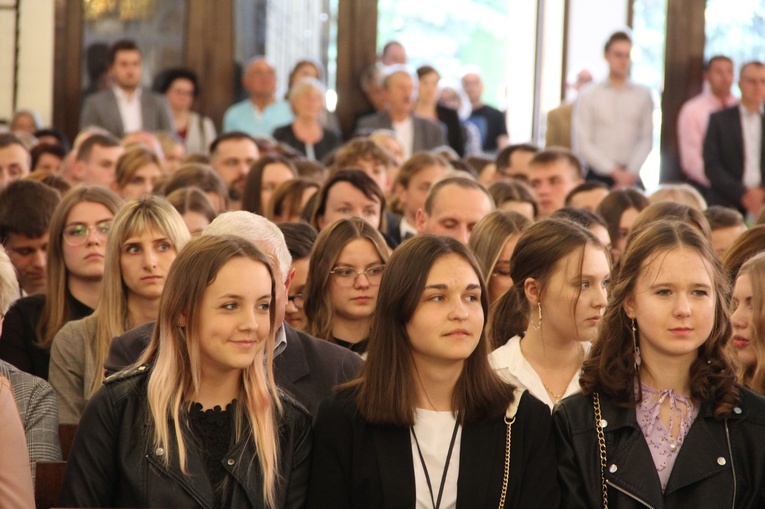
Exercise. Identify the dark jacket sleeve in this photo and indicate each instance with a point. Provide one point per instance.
(12, 343)
(540, 485)
(300, 472)
(721, 180)
(572, 485)
(91, 470)
(330, 475)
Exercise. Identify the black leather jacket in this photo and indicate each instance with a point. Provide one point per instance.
(114, 464)
(720, 465)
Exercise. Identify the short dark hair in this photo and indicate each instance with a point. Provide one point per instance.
(101, 140)
(200, 176)
(513, 190)
(424, 70)
(503, 158)
(253, 185)
(121, 45)
(357, 179)
(552, 155)
(723, 217)
(459, 181)
(8, 139)
(751, 63)
(55, 133)
(389, 44)
(300, 238)
(617, 37)
(167, 77)
(45, 148)
(229, 136)
(717, 58)
(26, 208)
(586, 186)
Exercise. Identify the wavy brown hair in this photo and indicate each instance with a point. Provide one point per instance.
(386, 386)
(611, 366)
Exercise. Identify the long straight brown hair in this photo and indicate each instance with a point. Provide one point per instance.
(386, 386)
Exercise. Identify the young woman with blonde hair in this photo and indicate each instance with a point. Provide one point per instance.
(75, 269)
(748, 321)
(198, 422)
(138, 172)
(346, 263)
(145, 238)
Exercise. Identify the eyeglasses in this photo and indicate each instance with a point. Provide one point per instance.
(346, 276)
(77, 234)
(298, 300)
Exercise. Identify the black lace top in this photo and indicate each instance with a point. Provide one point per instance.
(213, 430)
(359, 347)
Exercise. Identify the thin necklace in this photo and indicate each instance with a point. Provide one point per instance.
(557, 397)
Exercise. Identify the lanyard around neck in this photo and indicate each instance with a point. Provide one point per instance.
(437, 503)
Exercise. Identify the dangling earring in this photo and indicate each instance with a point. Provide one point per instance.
(538, 325)
(638, 360)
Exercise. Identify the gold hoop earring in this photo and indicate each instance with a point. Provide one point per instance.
(638, 360)
(538, 325)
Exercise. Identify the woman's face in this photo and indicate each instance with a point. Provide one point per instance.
(145, 260)
(180, 94)
(412, 197)
(287, 216)
(673, 304)
(306, 70)
(344, 200)
(234, 318)
(141, 182)
(355, 297)
(309, 104)
(428, 88)
(195, 221)
(447, 323)
(575, 297)
(741, 320)
(499, 280)
(274, 175)
(625, 227)
(84, 242)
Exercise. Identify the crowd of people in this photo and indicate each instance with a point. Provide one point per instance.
(423, 315)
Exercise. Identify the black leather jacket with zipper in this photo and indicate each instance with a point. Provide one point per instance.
(720, 465)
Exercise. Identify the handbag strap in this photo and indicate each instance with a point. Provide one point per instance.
(601, 446)
(512, 409)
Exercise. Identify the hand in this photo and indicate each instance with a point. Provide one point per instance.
(622, 177)
(752, 200)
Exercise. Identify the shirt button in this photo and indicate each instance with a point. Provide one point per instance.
(721, 461)
(160, 451)
(737, 410)
(231, 462)
(672, 447)
(613, 469)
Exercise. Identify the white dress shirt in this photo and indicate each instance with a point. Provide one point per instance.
(130, 110)
(751, 129)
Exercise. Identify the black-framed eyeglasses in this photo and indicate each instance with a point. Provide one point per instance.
(77, 234)
(346, 276)
(298, 300)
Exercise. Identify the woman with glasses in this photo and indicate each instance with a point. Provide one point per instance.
(492, 242)
(347, 264)
(144, 240)
(75, 269)
(427, 423)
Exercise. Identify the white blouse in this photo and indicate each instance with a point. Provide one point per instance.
(434, 433)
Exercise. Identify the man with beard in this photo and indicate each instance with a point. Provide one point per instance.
(232, 155)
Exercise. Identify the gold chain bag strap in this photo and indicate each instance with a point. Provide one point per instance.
(602, 446)
(512, 409)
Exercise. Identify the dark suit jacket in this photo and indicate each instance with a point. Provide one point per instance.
(427, 133)
(101, 109)
(724, 158)
(360, 465)
(451, 119)
(309, 368)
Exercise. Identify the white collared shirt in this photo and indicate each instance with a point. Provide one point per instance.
(280, 341)
(130, 109)
(751, 130)
(405, 133)
(510, 364)
(404, 228)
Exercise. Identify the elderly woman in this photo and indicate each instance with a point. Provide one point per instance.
(306, 134)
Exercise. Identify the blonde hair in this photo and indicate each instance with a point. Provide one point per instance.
(138, 216)
(753, 377)
(491, 234)
(175, 352)
(56, 311)
(133, 159)
(680, 193)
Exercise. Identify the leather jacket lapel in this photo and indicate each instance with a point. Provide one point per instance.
(704, 453)
(195, 483)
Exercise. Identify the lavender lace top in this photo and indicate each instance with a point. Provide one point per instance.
(664, 447)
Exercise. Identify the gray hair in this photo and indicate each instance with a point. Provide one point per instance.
(303, 86)
(9, 285)
(257, 230)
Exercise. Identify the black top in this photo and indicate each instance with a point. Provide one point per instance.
(490, 123)
(330, 140)
(211, 430)
(454, 135)
(18, 343)
(359, 347)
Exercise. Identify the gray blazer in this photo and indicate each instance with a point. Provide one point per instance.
(100, 109)
(427, 133)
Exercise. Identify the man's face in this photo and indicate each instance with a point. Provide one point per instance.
(618, 58)
(551, 184)
(126, 69)
(519, 165)
(232, 160)
(473, 87)
(14, 164)
(29, 258)
(588, 200)
(260, 78)
(720, 77)
(395, 54)
(752, 84)
(455, 212)
(99, 168)
(400, 88)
